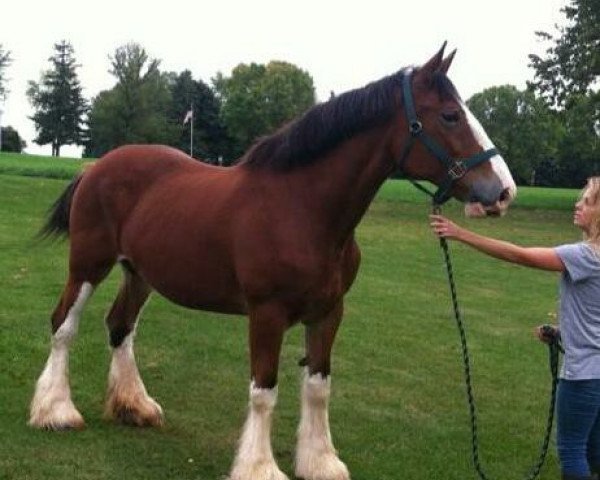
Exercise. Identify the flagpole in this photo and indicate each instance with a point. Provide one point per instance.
(192, 131)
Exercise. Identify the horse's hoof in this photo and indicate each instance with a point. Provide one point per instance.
(56, 416)
(257, 471)
(321, 467)
(135, 412)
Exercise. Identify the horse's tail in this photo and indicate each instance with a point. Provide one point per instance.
(57, 218)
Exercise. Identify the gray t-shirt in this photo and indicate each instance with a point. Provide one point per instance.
(580, 311)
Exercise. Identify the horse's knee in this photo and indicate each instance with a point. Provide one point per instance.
(123, 315)
(267, 327)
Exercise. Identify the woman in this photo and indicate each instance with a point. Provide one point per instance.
(578, 398)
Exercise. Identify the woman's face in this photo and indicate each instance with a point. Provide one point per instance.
(585, 211)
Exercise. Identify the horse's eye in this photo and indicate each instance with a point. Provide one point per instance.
(451, 118)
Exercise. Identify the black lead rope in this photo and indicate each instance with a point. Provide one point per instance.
(554, 348)
(456, 169)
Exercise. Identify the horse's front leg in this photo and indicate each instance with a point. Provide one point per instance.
(316, 458)
(254, 459)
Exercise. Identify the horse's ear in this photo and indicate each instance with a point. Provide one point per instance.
(447, 62)
(434, 63)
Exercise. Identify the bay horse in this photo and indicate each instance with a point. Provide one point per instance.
(271, 238)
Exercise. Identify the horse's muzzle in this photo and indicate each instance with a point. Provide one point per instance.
(495, 209)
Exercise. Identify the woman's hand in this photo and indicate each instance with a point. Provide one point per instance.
(546, 333)
(443, 227)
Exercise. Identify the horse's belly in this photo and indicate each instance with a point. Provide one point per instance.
(197, 301)
(200, 278)
(212, 292)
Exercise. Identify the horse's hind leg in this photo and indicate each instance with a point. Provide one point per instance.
(316, 458)
(127, 399)
(52, 406)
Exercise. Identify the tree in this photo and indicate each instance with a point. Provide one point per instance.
(11, 140)
(135, 109)
(209, 136)
(579, 155)
(523, 128)
(58, 101)
(567, 77)
(572, 63)
(5, 61)
(257, 99)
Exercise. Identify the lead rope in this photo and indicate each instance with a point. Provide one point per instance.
(553, 351)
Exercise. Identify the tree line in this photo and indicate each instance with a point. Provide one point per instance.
(148, 105)
(548, 133)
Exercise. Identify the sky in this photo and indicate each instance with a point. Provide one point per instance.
(342, 44)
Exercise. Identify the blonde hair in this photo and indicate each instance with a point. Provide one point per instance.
(592, 236)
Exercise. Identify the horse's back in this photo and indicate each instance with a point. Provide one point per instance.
(116, 183)
(140, 165)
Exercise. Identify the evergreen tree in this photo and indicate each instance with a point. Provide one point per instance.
(209, 135)
(5, 61)
(58, 101)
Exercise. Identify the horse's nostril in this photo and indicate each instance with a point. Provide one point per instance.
(505, 195)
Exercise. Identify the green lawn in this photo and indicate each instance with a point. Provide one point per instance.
(398, 406)
(40, 166)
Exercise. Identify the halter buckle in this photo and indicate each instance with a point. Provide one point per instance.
(457, 170)
(415, 127)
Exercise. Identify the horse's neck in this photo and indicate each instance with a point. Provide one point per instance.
(346, 180)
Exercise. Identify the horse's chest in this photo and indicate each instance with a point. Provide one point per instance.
(326, 285)
(315, 291)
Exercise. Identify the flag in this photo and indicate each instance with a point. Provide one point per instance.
(188, 116)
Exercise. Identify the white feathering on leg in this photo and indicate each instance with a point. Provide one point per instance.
(127, 397)
(254, 459)
(316, 458)
(52, 406)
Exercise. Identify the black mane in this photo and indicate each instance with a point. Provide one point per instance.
(325, 125)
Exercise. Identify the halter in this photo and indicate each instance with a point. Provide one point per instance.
(456, 168)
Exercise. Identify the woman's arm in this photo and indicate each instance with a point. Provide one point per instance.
(536, 257)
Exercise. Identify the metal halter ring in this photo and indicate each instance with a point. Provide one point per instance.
(415, 127)
(457, 170)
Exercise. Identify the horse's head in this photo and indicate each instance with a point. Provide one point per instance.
(448, 146)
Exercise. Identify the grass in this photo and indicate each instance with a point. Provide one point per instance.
(40, 166)
(398, 406)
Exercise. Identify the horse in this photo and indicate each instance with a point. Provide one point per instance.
(271, 237)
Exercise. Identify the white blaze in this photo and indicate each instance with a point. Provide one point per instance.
(497, 162)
